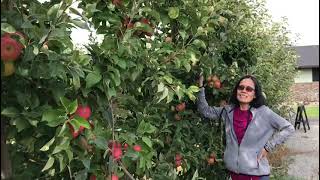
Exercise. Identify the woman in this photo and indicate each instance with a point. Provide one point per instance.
(250, 129)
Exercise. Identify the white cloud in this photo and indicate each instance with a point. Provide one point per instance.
(303, 18)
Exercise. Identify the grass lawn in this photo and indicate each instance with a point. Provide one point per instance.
(312, 111)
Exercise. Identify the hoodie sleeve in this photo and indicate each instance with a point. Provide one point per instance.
(284, 128)
(205, 109)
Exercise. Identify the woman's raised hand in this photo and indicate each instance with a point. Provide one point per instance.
(200, 81)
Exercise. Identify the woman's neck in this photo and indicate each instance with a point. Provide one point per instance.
(244, 107)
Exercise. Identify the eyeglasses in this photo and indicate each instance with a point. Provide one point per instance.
(248, 88)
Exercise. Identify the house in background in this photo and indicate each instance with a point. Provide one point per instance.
(306, 87)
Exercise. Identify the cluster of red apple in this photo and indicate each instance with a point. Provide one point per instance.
(84, 112)
(129, 24)
(10, 51)
(116, 149)
(213, 81)
(179, 108)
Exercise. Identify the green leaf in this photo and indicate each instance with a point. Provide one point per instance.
(199, 43)
(69, 106)
(53, 117)
(21, 124)
(143, 27)
(76, 81)
(187, 66)
(111, 92)
(170, 96)
(109, 43)
(62, 163)
(27, 25)
(191, 96)
(159, 142)
(92, 79)
(75, 11)
(81, 122)
(195, 175)
(121, 63)
(192, 89)
(184, 21)
(62, 130)
(47, 146)
(164, 94)
(64, 145)
(193, 58)
(146, 128)
(7, 28)
(69, 154)
(115, 76)
(179, 92)
(101, 143)
(160, 87)
(86, 163)
(80, 24)
(173, 12)
(183, 34)
(168, 79)
(52, 12)
(91, 8)
(10, 112)
(147, 141)
(78, 121)
(65, 102)
(48, 164)
(132, 154)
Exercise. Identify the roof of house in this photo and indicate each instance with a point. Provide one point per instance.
(308, 56)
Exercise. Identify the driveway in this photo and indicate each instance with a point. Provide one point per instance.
(303, 154)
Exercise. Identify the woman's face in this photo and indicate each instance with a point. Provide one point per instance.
(246, 91)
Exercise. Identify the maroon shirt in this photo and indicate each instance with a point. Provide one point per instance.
(240, 123)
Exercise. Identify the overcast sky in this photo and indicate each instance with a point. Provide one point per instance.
(303, 18)
(302, 15)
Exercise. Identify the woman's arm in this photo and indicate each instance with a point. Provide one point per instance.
(202, 105)
(284, 127)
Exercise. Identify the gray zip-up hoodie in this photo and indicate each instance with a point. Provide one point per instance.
(266, 130)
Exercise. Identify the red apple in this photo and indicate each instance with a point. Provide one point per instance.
(217, 84)
(181, 106)
(125, 146)
(210, 161)
(10, 49)
(74, 133)
(114, 177)
(117, 2)
(83, 111)
(137, 148)
(178, 156)
(178, 163)
(93, 177)
(214, 78)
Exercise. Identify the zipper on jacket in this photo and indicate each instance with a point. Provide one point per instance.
(243, 137)
(238, 159)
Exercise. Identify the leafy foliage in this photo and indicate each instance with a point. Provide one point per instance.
(132, 81)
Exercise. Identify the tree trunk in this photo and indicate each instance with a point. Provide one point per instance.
(6, 170)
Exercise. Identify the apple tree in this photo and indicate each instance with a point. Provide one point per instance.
(125, 108)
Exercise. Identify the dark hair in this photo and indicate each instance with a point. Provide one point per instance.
(256, 102)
